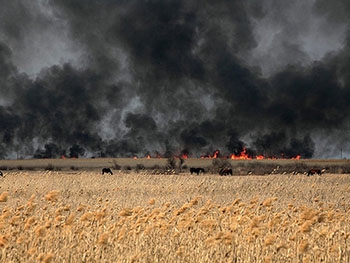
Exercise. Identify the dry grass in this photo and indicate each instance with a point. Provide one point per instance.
(82, 216)
(239, 166)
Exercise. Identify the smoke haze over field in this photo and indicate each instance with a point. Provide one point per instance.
(124, 78)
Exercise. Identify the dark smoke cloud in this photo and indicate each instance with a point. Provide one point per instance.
(125, 78)
(7, 68)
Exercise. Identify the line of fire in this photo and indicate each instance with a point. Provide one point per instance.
(244, 155)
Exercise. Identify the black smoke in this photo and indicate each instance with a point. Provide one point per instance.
(173, 77)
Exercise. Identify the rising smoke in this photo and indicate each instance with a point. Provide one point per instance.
(124, 78)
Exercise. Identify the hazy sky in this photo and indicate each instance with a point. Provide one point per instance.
(131, 77)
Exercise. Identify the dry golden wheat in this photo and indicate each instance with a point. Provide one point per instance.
(85, 217)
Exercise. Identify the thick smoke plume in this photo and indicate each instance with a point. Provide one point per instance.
(124, 78)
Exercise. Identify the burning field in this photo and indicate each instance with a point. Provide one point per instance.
(73, 213)
(168, 96)
(250, 78)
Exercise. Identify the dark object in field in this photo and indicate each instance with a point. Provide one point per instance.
(225, 171)
(196, 170)
(1, 174)
(107, 171)
(314, 171)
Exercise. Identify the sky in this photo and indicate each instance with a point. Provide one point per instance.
(123, 78)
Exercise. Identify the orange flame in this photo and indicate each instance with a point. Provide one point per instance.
(243, 155)
(184, 156)
(215, 155)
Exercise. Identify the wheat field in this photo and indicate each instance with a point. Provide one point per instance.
(84, 216)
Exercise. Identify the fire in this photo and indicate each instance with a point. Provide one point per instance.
(243, 155)
(184, 156)
(215, 155)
